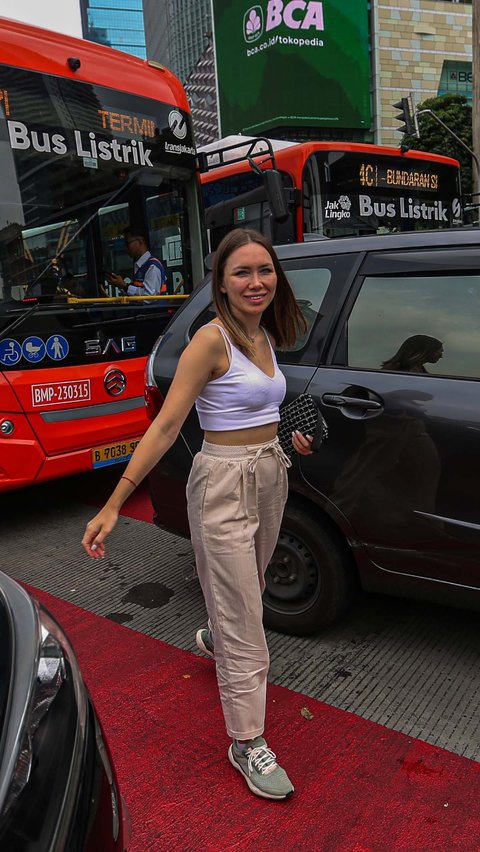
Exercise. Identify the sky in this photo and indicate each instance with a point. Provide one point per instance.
(63, 16)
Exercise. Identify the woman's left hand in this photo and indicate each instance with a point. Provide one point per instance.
(302, 443)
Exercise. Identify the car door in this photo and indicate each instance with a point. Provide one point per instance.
(401, 466)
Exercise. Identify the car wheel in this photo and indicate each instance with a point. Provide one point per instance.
(310, 579)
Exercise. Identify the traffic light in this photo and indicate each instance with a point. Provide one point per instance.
(405, 115)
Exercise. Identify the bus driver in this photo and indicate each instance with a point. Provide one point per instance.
(149, 274)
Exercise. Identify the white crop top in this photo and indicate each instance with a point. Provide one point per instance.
(244, 396)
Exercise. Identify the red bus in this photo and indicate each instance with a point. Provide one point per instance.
(330, 189)
(92, 140)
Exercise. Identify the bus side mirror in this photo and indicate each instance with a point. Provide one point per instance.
(276, 196)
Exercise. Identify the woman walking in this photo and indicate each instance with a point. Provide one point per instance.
(238, 483)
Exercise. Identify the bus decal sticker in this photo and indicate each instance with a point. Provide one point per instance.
(22, 138)
(10, 351)
(33, 349)
(57, 347)
(61, 393)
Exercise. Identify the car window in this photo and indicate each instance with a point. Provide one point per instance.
(309, 286)
(411, 323)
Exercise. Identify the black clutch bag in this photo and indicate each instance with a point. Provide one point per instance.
(301, 414)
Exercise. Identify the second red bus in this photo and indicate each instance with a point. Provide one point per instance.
(332, 189)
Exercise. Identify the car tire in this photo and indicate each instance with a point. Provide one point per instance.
(311, 579)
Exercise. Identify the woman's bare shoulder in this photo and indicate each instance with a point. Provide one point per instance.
(208, 339)
(212, 333)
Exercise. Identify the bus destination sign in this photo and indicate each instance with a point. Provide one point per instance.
(378, 174)
(103, 127)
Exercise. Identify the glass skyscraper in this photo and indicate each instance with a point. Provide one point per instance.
(117, 23)
(177, 32)
(179, 35)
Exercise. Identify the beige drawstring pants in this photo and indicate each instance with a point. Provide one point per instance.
(236, 497)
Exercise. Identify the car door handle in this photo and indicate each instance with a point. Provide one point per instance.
(353, 401)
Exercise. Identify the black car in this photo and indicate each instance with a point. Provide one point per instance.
(58, 789)
(392, 357)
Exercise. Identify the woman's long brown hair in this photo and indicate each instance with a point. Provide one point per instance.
(282, 318)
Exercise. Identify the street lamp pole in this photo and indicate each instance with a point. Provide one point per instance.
(476, 92)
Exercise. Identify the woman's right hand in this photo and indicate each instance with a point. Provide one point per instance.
(97, 530)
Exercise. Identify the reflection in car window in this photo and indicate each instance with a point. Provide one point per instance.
(309, 286)
(425, 324)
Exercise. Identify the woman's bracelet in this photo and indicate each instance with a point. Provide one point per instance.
(130, 481)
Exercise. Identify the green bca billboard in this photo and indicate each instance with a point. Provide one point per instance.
(297, 62)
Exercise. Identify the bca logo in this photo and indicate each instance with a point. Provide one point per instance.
(253, 23)
(177, 124)
(293, 14)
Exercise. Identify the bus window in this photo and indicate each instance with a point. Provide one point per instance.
(170, 237)
(165, 208)
(240, 201)
(312, 200)
(112, 221)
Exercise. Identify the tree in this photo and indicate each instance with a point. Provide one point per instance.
(456, 113)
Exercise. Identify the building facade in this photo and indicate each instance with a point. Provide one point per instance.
(158, 30)
(116, 23)
(201, 91)
(177, 32)
(422, 47)
(418, 46)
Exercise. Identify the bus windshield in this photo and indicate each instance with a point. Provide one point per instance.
(348, 193)
(80, 162)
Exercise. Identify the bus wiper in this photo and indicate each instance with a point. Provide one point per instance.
(18, 321)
